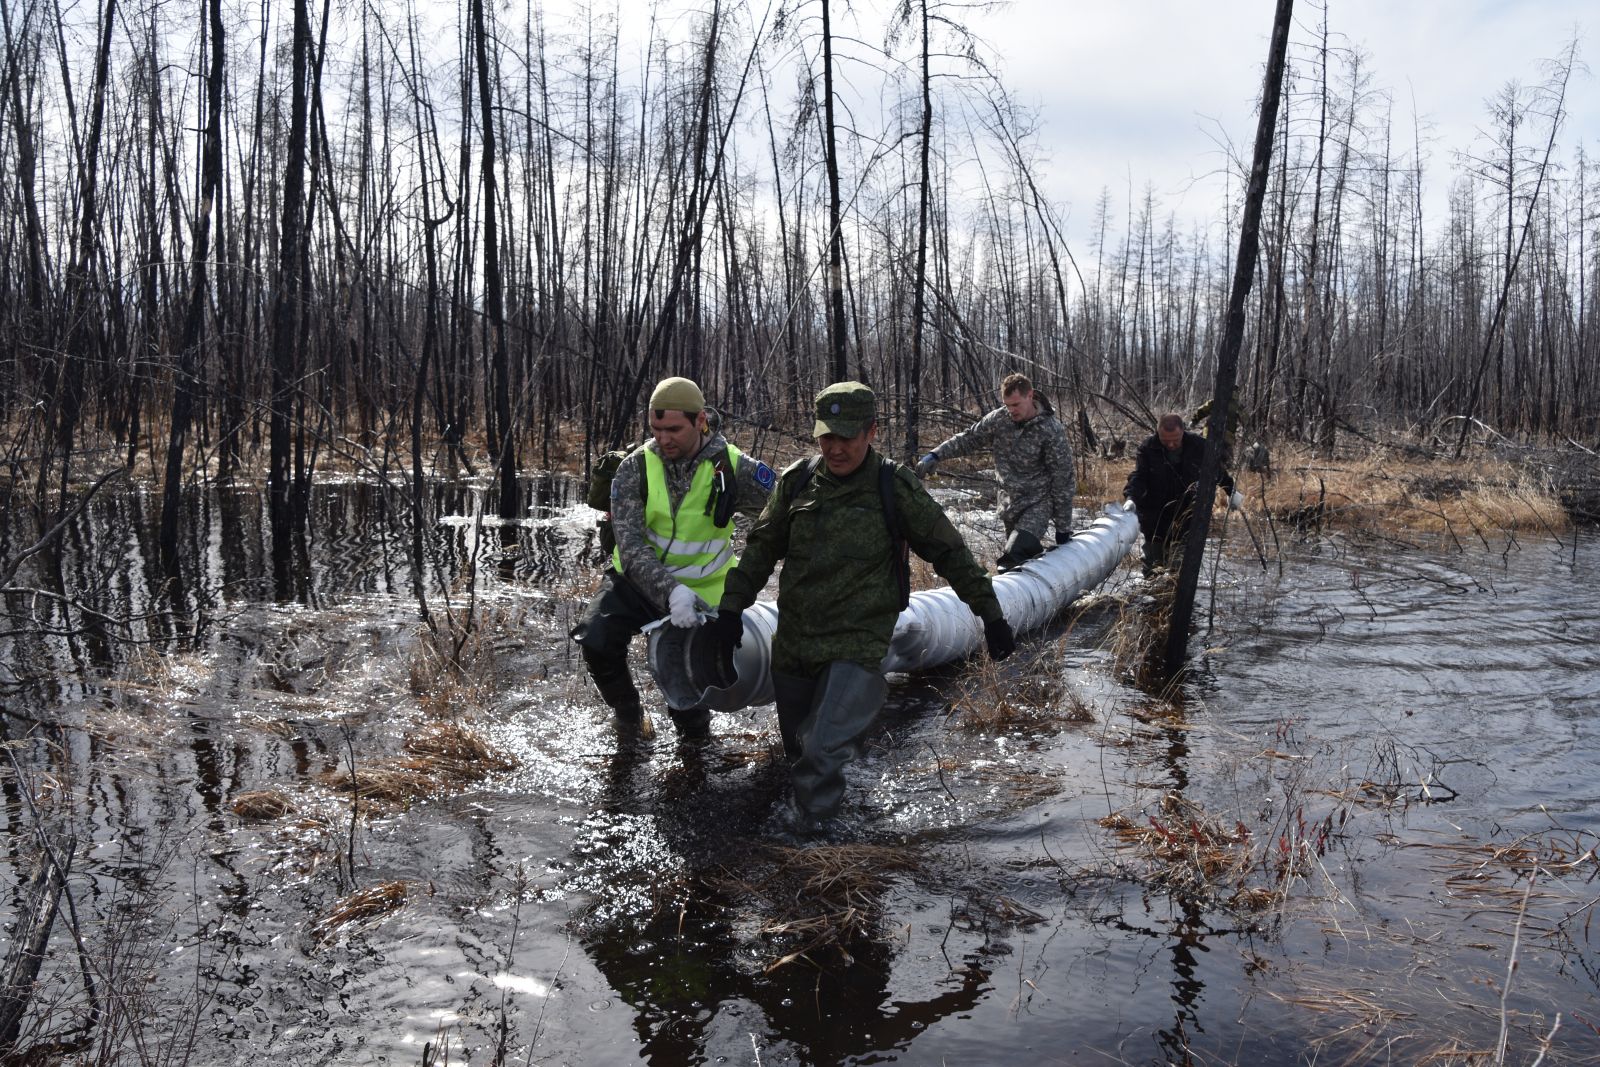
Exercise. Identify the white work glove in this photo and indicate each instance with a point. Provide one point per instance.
(684, 606)
(1236, 500)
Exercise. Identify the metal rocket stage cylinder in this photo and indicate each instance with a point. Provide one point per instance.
(936, 627)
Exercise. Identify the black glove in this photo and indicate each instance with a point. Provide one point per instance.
(997, 635)
(727, 631)
(1063, 536)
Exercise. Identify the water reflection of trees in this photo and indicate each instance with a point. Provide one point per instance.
(746, 924)
(75, 608)
(137, 705)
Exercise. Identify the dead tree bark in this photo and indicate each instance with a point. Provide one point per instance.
(28, 942)
(920, 277)
(837, 324)
(1233, 337)
(287, 306)
(494, 299)
(184, 388)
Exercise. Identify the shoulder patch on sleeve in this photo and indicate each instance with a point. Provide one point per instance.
(765, 476)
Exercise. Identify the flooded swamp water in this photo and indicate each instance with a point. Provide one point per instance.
(1363, 831)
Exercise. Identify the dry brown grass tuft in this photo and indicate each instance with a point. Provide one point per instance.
(1380, 489)
(457, 751)
(1199, 856)
(1138, 638)
(986, 700)
(1391, 492)
(386, 784)
(444, 756)
(364, 905)
(262, 805)
(454, 667)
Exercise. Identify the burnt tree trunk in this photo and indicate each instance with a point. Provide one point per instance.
(1232, 338)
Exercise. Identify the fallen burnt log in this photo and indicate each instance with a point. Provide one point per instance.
(29, 938)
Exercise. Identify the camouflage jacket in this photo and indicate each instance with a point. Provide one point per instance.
(838, 596)
(753, 478)
(1033, 459)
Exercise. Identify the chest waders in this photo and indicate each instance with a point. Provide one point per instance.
(821, 719)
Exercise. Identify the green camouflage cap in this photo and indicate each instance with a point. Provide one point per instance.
(845, 409)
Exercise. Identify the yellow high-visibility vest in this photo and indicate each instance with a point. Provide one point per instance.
(688, 542)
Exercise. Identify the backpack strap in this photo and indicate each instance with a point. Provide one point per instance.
(805, 477)
(899, 548)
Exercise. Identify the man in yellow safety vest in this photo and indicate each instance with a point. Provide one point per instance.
(672, 505)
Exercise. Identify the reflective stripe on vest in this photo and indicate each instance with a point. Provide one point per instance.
(694, 550)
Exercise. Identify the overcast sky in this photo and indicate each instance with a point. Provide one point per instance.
(1137, 89)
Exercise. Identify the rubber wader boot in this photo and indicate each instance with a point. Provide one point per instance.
(847, 699)
(693, 724)
(1021, 546)
(793, 697)
(617, 690)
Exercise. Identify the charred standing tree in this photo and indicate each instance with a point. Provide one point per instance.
(286, 313)
(838, 340)
(493, 296)
(84, 322)
(1494, 340)
(919, 279)
(689, 240)
(189, 340)
(25, 169)
(1233, 337)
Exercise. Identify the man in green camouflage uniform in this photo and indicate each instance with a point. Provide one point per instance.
(840, 591)
(1034, 460)
(671, 558)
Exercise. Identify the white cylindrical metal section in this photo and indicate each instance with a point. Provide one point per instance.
(935, 628)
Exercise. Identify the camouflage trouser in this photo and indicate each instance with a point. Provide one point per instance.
(1025, 531)
(1034, 518)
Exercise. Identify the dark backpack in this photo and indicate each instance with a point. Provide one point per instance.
(899, 548)
(599, 496)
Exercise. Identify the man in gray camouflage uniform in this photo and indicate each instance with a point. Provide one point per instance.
(672, 551)
(1034, 460)
(839, 593)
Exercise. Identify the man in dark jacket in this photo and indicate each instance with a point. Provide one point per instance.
(1162, 488)
(841, 590)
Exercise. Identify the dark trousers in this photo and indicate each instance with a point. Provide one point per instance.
(1166, 529)
(821, 719)
(617, 612)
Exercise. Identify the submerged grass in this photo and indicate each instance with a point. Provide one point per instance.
(444, 757)
(818, 900)
(362, 907)
(1212, 860)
